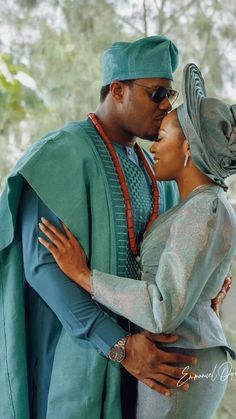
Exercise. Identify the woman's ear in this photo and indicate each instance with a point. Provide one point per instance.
(186, 146)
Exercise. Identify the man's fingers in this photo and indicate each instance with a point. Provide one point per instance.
(224, 290)
(156, 386)
(169, 382)
(217, 301)
(227, 283)
(175, 372)
(176, 358)
(155, 337)
(216, 308)
(229, 277)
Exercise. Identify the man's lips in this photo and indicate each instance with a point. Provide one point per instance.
(159, 119)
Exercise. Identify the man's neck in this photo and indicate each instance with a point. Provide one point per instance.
(113, 129)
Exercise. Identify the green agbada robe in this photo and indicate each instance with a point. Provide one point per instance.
(62, 167)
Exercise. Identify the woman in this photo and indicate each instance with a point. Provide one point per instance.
(185, 255)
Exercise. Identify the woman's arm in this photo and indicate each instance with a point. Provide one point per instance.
(192, 253)
(160, 304)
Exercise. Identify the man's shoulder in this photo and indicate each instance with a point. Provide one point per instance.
(71, 132)
(69, 142)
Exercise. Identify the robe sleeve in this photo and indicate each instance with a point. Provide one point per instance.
(162, 301)
(81, 316)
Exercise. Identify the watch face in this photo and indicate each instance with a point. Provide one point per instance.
(117, 354)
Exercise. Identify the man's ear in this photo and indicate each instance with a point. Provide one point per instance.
(117, 90)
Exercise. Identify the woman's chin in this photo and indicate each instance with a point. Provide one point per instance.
(162, 176)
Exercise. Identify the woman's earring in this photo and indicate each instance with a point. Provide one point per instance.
(187, 155)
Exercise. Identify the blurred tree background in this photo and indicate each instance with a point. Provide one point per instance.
(50, 69)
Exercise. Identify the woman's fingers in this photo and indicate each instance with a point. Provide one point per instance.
(52, 236)
(74, 241)
(56, 233)
(50, 247)
(68, 232)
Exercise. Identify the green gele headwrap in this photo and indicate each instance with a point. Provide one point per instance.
(210, 127)
(151, 57)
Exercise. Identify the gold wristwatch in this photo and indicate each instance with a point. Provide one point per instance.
(117, 352)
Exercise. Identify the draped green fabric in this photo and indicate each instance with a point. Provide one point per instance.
(62, 184)
(66, 171)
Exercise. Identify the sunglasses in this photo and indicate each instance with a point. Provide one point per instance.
(160, 93)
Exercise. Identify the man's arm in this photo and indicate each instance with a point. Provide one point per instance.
(73, 306)
(82, 317)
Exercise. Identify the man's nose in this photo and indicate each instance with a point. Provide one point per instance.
(165, 105)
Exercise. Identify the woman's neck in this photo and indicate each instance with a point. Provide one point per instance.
(188, 183)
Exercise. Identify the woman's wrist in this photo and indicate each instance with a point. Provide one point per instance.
(83, 279)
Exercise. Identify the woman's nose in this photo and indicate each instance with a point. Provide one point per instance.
(153, 148)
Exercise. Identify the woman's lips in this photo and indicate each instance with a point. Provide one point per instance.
(160, 117)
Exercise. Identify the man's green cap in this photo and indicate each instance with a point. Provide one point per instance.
(210, 127)
(151, 57)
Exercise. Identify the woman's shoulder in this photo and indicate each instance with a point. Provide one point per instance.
(209, 203)
(207, 197)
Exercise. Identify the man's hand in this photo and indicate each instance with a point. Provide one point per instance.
(152, 365)
(217, 301)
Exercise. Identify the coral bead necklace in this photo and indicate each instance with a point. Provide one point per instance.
(128, 204)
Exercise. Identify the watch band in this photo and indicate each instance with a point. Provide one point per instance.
(117, 352)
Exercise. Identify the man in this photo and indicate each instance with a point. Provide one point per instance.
(75, 347)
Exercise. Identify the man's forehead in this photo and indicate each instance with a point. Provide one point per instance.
(155, 82)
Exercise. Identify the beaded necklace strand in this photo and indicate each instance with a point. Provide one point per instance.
(128, 204)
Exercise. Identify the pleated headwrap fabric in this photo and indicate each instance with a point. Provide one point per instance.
(150, 57)
(210, 127)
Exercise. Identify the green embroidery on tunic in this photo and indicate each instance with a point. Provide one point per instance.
(142, 201)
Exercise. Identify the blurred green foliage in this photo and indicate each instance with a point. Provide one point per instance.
(58, 43)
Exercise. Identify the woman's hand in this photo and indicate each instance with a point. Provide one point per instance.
(67, 252)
